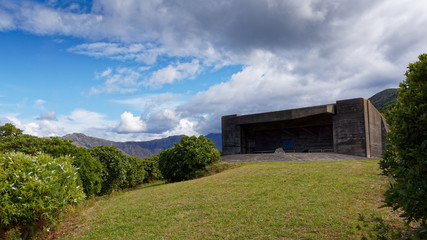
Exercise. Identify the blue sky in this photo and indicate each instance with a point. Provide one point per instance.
(140, 70)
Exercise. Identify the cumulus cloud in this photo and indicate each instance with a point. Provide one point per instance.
(185, 127)
(130, 124)
(157, 111)
(79, 120)
(174, 73)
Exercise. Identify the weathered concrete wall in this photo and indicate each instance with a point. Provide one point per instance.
(349, 127)
(377, 128)
(230, 135)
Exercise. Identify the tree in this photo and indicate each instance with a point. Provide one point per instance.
(188, 158)
(405, 157)
(9, 130)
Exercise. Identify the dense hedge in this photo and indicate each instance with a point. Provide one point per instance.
(188, 158)
(89, 168)
(40, 176)
(118, 171)
(135, 173)
(34, 188)
(114, 167)
(151, 167)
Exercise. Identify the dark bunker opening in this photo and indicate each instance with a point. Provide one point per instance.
(308, 134)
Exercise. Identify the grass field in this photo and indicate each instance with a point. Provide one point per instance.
(275, 200)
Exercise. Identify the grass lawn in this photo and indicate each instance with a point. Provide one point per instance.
(274, 200)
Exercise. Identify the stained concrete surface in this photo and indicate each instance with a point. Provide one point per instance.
(278, 157)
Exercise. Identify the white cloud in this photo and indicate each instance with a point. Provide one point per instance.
(39, 103)
(173, 73)
(130, 124)
(41, 128)
(105, 73)
(157, 111)
(136, 52)
(79, 121)
(148, 103)
(122, 80)
(128, 80)
(6, 21)
(185, 127)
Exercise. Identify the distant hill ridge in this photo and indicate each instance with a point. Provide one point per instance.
(384, 99)
(140, 149)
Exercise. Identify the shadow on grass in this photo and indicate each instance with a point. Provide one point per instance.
(375, 227)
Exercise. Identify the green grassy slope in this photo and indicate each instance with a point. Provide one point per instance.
(275, 200)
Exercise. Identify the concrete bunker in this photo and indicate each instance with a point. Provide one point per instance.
(351, 126)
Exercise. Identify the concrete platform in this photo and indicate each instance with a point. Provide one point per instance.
(277, 157)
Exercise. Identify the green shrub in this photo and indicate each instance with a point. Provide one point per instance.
(114, 167)
(8, 130)
(188, 158)
(89, 168)
(21, 143)
(136, 172)
(34, 189)
(405, 158)
(151, 166)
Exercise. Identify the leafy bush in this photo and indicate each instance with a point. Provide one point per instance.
(405, 158)
(34, 188)
(9, 130)
(89, 168)
(188, 158)
(135, 173)
(151, 167)
(114, 167)
(21, 143)
(119, 171)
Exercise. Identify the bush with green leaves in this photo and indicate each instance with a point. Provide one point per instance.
(405, 158)
(34, 189)
(9, 130)
(12, 140)
(119, 171)
(89, 168)
(114, 167)
(21, 143)
(135, 173)
(151, 167)
(188, 158)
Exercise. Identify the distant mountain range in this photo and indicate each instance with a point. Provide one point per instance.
(141, 149)
(384, 99)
